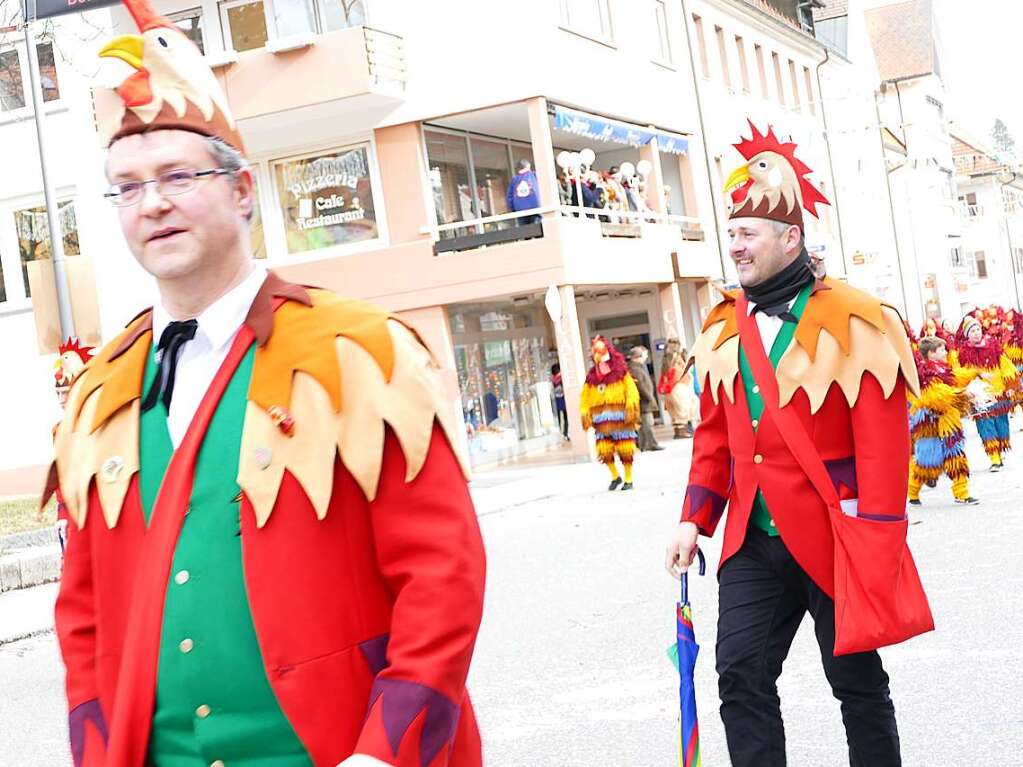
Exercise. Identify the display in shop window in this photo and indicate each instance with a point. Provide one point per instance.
(327, 200)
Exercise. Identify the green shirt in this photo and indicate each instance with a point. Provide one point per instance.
(213, 698)
(760, 516)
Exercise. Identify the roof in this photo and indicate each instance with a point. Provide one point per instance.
(971, 160)
(771, 10)
(902, 36)
(833, 9)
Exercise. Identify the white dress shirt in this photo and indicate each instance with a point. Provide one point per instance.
(201, 358)
(768, 326)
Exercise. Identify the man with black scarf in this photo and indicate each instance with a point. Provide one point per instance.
(804, 437)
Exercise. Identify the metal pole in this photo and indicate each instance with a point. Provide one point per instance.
(67, 324)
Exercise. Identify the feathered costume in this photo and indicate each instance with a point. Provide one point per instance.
(1014, 346)
(936, 428)
(987, 363)
(610, 405)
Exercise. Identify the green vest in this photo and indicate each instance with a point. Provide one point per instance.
(760, 516)
(213, 698)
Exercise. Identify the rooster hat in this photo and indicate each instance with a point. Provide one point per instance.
(773, 182)
(172, 87)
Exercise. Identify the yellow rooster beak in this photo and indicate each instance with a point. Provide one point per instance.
(127, 48)
(739, 177)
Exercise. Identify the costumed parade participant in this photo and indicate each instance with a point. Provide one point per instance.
(676, 385)
(989, 377)
(610, 406)
(804, 437)
(932, 327)
(936, 425)
(1013, 347)
(72, 357)
(215, 458)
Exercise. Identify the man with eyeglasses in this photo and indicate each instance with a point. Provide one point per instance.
(273, 558)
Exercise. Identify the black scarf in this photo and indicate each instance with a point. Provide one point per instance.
(773, 295)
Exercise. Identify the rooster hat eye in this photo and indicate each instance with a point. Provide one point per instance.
(163, 42)
(762, 165)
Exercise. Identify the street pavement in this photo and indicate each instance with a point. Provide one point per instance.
(571, 665)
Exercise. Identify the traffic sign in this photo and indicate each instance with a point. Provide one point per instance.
(33, 10)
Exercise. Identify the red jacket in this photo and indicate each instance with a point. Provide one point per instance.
(366, 618)
(845, 377)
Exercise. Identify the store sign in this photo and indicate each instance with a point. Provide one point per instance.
(605, 129)
(327, 200)
(33, 10)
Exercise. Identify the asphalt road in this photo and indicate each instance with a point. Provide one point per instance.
(571, 666)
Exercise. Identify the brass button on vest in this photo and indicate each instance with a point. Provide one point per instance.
(181, 577)
(203, 711)
(186, 645)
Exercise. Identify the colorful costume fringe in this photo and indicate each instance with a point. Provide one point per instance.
(988, 363)
(610, 405)
(936, 427)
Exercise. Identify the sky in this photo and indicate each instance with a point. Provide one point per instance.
(980, 45)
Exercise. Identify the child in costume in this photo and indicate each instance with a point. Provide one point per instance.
(936, 425)
(676, 385)
(981, 366)
(610, 405)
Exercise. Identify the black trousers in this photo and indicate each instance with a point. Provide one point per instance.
(764, 594)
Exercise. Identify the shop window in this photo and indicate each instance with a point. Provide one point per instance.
(190, 23)
(740, 48)
(591, 18)
(244, 23)
(12, 92)
(726, 74)
(33, 230)
(761, 70)
(343, 14)
(701, 44)
(663, 39)
(326, 199)
(47, 71)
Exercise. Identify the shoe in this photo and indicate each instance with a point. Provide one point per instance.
(932, 483)
(628, 485)
(655, 448)
(614, 483)
(915, 502)
(996, 467)
(971, 501)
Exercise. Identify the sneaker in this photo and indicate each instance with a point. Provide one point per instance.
(915, 502)
(932, 483)
(656, 448)
(996, 467)
(614, 483)
(627, 486)
(971, 501)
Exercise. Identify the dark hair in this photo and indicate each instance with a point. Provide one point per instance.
(555, 369)
(523, 164)
(929, 345)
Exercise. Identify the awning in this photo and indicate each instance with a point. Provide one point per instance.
(608, 130)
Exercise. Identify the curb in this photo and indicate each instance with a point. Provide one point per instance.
(44, 536)
(26, 635)
(30, 567)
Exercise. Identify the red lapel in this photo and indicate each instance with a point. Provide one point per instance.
(136, 686)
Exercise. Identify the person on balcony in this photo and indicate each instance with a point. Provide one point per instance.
(524, 193)
(273, 557)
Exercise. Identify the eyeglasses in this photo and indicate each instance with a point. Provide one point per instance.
(167, 185)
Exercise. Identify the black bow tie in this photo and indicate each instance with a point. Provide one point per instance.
(782, 311)
(174, 336)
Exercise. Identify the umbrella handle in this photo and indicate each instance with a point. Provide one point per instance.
(685, 576)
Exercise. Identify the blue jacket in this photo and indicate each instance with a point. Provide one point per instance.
(523, 192)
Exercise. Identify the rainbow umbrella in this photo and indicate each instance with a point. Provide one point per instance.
(683, 654)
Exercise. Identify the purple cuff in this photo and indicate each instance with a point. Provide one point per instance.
(89, 711)
(843, 472)
(403, 702)
(698, 496)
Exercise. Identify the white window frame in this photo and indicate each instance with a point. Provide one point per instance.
(274, 232)
(606, 35)
(10, 250)
(321, 15)
(272, 33)
(204, 33)
(26, 112)
(660, 9)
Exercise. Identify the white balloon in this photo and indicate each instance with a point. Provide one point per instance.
(588, 156)
(562, 160)
(644, 167)
(574, 160)
(628, 169)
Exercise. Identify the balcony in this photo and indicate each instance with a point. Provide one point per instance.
(354, 75)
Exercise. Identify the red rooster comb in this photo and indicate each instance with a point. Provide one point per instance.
(768, 142)
(75, 345)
